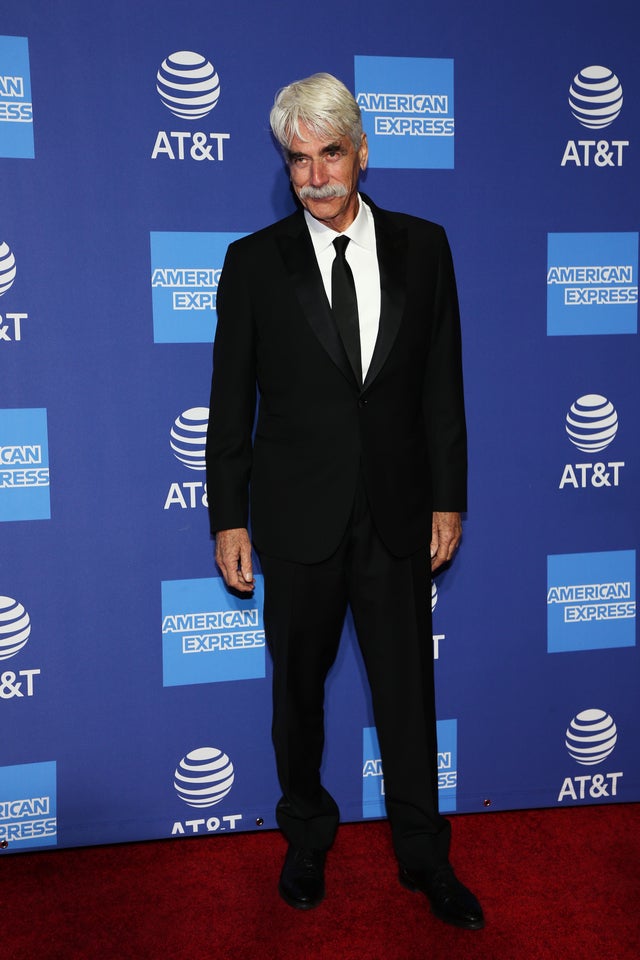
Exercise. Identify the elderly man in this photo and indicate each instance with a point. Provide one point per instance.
(345, 318)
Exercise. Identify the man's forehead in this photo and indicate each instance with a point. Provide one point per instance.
(307, 138)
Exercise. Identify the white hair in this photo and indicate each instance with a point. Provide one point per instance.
(322, 104)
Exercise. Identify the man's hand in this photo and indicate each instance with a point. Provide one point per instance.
(233, 556)
(446, 533)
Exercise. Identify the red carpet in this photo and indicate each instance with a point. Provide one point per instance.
(554, 884)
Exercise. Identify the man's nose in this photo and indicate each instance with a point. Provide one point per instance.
(318, 173)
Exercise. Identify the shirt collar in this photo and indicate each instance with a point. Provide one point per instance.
(361, 231)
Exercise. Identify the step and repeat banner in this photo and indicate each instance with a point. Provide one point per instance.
(134, 147)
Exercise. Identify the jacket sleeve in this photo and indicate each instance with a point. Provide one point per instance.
(233, 398)
(444, 396)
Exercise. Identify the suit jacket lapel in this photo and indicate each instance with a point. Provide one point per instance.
(299, 257)
(391, 244)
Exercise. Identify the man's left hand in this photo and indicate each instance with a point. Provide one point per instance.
(446, 533)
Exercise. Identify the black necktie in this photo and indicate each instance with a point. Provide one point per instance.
(344, 305)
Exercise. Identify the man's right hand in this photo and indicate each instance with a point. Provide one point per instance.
(233, 556)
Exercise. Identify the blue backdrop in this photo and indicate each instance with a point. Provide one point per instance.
(134, 145)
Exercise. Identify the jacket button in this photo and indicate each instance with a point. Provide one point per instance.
(362, 402)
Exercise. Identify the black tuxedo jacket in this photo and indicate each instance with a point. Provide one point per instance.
(317, 428)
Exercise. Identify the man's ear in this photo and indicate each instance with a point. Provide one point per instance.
(363, 152)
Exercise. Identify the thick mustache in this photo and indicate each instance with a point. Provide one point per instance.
(323, 193)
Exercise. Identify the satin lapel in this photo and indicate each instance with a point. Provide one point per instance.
(298, 255)
(391, 244)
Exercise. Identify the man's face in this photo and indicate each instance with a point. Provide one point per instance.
(324, 175)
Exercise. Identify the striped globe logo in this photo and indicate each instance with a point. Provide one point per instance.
(15, 627)
(189, 437)
(7, 267)
(188, 85)
(434, 595)
(591, 737)
(591, 423)
(204, 777)
(595, 97)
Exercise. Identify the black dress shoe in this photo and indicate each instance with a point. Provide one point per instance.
(450, 900)
(302, 878)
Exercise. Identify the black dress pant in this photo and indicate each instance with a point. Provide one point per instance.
(304, 611)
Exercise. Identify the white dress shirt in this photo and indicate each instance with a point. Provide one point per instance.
(363, 260)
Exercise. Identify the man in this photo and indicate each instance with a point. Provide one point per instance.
(357, 467)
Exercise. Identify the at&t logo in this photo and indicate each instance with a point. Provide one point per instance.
(591, 425)
(595, 99)
(189, 87)
(188, 443)
(590, 739)
(437, 637)
(203, 778)
(10, 323)
(15, 630)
